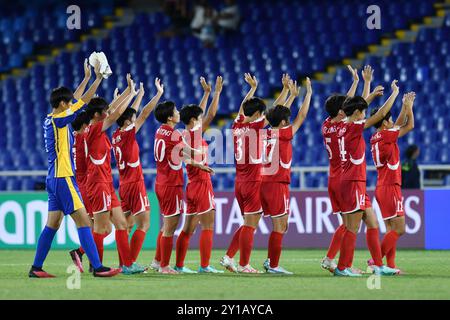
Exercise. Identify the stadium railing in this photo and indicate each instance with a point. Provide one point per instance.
(302, 171)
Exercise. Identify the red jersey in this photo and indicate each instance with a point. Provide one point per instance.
(194, 139)
(386, 155)
(330, 140)
(79, 155)
(352, 149)
(247, 148)
(277, 155)
(169, 171)
(126, 151)
(98, 154)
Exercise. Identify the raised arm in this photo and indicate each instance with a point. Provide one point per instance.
(149, 107)
(111, 118)
(408, 102)
(367, 75)
(119, 98)
(301, 115)
(294, 93)
(206, 92)
(93, 88)
(351, 92)
(382, 112)
(87, 76)
(377, 92)
(137, 102)
(212, 110)
(253, 85)
(281, 100)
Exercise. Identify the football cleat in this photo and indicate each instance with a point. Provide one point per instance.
(347, 272)
(105, 272)
(384, 271)
(328, 264)
(184, 269)
(155, 265)
(77, 259)
(266, 265)
(279, 270)
(209, 269)
(228, 263)
(133, 269)
(167, 270)
(39, 273)
(247, 269)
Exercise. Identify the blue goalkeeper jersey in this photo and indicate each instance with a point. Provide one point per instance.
(58, 140)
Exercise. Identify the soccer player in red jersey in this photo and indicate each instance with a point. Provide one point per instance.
(386, 156)
(354, 199)
(199, 190)
(169, 157)
(276, 171)
(106, 207)
(248, 157)
(132, 190)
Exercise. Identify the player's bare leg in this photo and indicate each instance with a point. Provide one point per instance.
(206, 242)
(251, 222)
(328, 262)
(156, 263)
(227, 260)
(169, 226)
(280, 227)
(395, 228)
(142, 222)
(182, 245)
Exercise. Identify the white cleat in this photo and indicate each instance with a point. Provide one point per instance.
(247, 269)
(328, 264)
(279, 270)
(228, 263)
(167, 270)
(155, 265)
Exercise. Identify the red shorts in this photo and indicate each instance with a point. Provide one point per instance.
(390, 201)
(199, 197)
(275, 199)
(102, 197)
(353, 196)
(134, 197)
(170, 199)
(334, 187)
(84, 194)
(248, 196)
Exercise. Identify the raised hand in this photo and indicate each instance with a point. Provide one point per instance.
(308, 86)
(116, 93)
(294, 90)
(205, 85)
(285, 80)
(206, 168)
(354, 72)
(367, 74)
(219, 84)
(408, 99)
(98, 75)
(141, 90)
(394, 86)
(251, 80)
(378, 91)
(133, 88)
(159, 86)
(87, 69)
(129, 80)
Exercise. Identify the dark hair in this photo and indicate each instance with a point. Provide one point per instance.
(334, 103)
(164, 110)
(410, 151)
(60, 94)
(190, 111)
(354, 103)
(277, 114)
(253, 105)
(97, 104)
(80, 120)
(386, 117)
(126, 115)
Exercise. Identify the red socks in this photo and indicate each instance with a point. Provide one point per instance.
(181, 248)
(336, 241)
(81, 250)
(234, 245)
(373, 243)
(206, 243)
(245, 244)
(166, 244)
(275, 245)
(388, 247)
(123, 247)
(158, 247)
(98, 239)
(136, 244)
(347, 250)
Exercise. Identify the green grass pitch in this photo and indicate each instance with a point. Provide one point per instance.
(427, 277)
